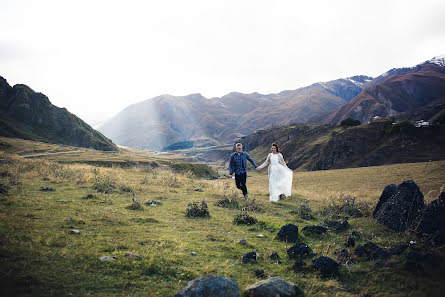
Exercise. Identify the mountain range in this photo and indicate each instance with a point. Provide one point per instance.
(30, 115)
(165, 120)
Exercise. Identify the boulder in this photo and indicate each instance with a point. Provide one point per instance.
(350, 241)
(399, 206)
(342, 255)
(298, 266)
(288, 233)
(209, 285)
(314, 230)
(326, 266)
(272, 287)
(274, 256)
(259, 273)
(432, 220)
(341, 226)
(250, 257)
(371, 251)
(299, 251)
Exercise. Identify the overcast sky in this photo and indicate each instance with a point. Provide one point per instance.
(97, 57)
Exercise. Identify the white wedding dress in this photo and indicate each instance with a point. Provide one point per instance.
(280, 177)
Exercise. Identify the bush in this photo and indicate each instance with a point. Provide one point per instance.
(104, 184)
(196, 209)
(345, 205)
(350, 122)
(244, 219)
(403, 127)
(227, 202)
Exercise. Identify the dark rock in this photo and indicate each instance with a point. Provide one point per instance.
(107, 258)
(4, 190)
(350, 241)
(243, 242)
(399, 206)
(259, 273)
(342, 255)
(307, 217)
(417, 259)
(371, 251)
(326, 266)
(273, 287)
(397, 249)
(298, 266)
(131, 255)
(46, 189)
(250, 257)
(299, 251)
(432, 220)
(209, 285)
(274, 256)
(89, 196)
(355, 235)
(288, 233)
(341, 226)
(314, 230)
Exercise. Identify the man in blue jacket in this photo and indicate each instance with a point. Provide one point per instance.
(238, 165)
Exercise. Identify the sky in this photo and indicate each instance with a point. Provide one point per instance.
(96, 57)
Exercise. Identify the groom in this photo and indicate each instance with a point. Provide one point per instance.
(238, 165)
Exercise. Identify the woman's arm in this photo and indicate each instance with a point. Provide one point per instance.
(265, 163)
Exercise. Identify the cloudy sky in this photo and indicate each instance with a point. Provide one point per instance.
(96, 57)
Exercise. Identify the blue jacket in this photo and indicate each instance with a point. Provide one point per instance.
(245, 156)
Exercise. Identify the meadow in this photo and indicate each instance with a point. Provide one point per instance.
(40, 254)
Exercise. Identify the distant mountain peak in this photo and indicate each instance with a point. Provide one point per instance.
(438, 60)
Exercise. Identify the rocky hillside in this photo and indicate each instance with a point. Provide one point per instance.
(405, 93)
(165, 120)
(30, 115)
(321, 147)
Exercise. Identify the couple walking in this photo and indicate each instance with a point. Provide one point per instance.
(280, 176)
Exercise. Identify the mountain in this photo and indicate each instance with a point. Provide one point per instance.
(30, 115)
(164, 120)
(404, 93)
(321, 147)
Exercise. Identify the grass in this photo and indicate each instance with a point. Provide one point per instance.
(39, 256)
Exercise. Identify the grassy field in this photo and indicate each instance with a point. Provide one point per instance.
(40, 256)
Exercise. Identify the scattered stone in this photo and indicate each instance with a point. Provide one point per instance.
(89, 196)
(271, 230)
(341, 226)
(342, 255)
(4, 190)
(74, 231)
(288, 233)
(131, 255)
(371, 251)
(250, 257)
(243, 242)
(399, 206)
(135, 205)
(209, 285)
(69, 219)
(298, 266)
(355, 235)
(397, 249)
(326, 266)
(273, 286)
(274, 256)
(260, 273)
(314, 230)
(432, 220)
(107, 258)
(193, 253)
(299, 251)
(261, 235)
(46, 189)
(350, 241)
(153, 203)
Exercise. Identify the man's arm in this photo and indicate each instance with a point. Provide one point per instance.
(251, 160)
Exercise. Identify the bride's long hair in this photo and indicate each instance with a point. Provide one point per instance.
(276, 145)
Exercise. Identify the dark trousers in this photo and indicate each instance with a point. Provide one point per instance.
(240, 180)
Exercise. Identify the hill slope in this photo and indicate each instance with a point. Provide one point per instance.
(321, 147)
(405, 93)
(165, 120)
(30, 115)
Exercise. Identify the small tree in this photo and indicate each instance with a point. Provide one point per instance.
(349, 122)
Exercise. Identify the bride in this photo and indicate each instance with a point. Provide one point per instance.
(280, 176)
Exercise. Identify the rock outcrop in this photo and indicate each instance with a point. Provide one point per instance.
(273, 286)
(209, 285)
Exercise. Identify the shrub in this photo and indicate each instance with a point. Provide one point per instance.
(350, 122)
(344, 205)
(104, 184)
(196, 209)
(244, 219)
(227, 202)
(403, 127)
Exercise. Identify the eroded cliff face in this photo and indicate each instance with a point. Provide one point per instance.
(30, 115)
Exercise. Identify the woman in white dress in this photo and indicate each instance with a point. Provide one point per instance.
(280, 176)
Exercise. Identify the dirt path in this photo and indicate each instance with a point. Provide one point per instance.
(48, 154)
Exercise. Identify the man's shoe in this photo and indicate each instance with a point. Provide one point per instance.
(281, 197)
